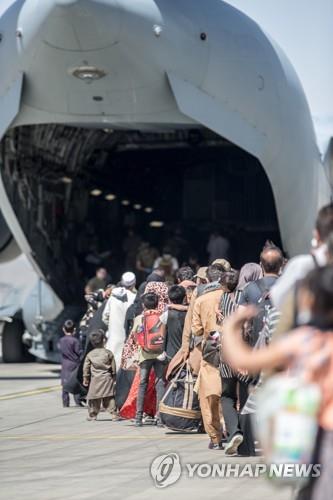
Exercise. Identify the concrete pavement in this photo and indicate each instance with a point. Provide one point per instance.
(51, 453)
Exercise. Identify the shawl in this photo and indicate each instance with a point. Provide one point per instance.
(161, 289)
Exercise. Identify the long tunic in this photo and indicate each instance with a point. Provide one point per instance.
(70, 350)
(100, 369)
(209, 381)
(114, 316)
(204, 321)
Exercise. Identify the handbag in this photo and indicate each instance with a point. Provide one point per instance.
(211, 348)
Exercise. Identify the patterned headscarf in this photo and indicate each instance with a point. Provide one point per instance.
(161, 289)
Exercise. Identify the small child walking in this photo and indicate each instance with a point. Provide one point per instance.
(70, 350)
(99, 373)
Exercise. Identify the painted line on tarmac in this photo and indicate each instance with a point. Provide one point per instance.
(34, 392)
(91, 438)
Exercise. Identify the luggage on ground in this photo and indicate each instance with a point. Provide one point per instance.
(179, 408)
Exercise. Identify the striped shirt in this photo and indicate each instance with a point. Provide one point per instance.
(228, 305)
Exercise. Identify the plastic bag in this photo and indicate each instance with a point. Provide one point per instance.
(287, 427)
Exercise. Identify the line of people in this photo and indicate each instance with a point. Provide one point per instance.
(221, 322)
(192, 312)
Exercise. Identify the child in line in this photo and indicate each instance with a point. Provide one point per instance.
(99, 373)
(70, 350)
(309, 346)
(149, 360)
(176, 319)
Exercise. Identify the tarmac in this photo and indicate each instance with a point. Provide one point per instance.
(50, 453)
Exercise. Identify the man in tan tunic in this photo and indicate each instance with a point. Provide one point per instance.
(204, 322)
(99, 372)
(201, 281)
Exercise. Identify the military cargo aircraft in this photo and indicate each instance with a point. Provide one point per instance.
(85, 83)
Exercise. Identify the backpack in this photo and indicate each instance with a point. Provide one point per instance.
(264, 305)
(151, 337)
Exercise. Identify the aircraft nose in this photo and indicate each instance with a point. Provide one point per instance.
(68, 24)
(33, 15)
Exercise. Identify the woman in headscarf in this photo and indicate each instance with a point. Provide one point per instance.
(156, 276)
(161, 289)
(249, 272)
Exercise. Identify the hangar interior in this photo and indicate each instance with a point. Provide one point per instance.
(77, 191)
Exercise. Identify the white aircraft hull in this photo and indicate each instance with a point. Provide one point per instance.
(158, 65)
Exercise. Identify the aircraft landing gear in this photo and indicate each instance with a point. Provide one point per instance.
(13, 349)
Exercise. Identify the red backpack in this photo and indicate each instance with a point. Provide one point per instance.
(151, 336)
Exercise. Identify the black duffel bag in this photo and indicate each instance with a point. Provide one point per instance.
(179, 407)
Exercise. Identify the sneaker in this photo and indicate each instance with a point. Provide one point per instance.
(91, 418)
(231, 448)
(157, 422)
(215, 446)
(147, 419)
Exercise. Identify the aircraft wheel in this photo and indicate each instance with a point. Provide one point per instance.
(13, 349)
